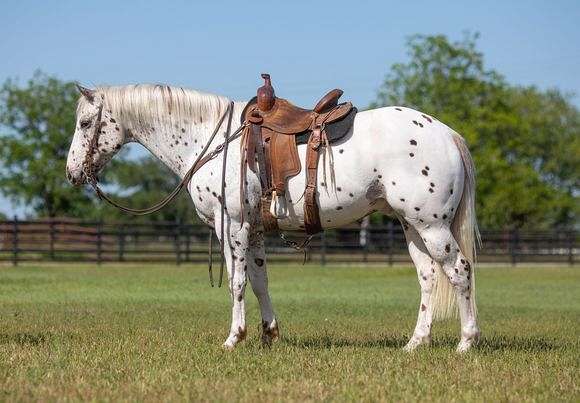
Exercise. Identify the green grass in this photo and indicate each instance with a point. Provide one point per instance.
(150, 333)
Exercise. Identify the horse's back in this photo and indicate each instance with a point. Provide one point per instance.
(388, 161)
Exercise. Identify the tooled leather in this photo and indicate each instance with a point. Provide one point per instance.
(311, 214)
(285, 160)
(280, 127)
(286, 118)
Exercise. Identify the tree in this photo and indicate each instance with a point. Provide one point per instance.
(525, 141)
(37, 123)
(145, 182)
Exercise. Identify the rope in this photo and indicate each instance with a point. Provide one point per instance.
(201, 160)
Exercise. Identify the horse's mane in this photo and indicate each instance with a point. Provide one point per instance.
(146, 103)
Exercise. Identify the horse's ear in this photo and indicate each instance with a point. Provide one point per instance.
(87, 93)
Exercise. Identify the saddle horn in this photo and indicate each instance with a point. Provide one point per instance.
(266, 95)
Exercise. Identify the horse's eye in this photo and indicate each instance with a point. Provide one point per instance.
(85, 124)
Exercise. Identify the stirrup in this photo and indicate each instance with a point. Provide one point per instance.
(278, 207)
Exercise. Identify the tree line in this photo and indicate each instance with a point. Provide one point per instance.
(525, 142)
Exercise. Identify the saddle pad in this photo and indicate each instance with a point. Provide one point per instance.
(334, 131)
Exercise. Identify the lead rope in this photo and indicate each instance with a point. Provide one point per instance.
(223, 200)
(210, 257)
(199, 162)
(300, 247)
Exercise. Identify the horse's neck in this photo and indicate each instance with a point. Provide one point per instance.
(178, 145)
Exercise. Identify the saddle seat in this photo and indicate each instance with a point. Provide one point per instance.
(276, 127)
(286, 118)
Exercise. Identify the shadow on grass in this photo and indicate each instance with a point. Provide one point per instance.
(33, 339)
(485, 345)
(327, 341)
(514, 343)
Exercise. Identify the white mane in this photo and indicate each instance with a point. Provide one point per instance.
(162, 104)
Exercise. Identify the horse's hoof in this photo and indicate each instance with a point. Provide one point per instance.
(266, 341)
(415, 342)
(465, 345)
(411, 345)
(468, 340)
(270, 333)
(227, 346)
(234, 338)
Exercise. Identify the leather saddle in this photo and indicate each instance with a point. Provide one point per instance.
(275, 128)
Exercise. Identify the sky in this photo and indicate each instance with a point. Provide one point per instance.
(308, 47)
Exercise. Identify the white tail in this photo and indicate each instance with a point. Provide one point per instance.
(466, 233)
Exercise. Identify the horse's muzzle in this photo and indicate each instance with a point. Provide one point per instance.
(77, 178)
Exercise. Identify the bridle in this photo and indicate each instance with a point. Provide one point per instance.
(90, 170)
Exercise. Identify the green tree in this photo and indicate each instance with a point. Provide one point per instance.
(145, 182)
(525, 141)
(37, 122)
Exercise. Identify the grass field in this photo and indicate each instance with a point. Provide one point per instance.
(155, 333)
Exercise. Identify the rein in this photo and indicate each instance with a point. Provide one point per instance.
(90, 170)
(202, 159)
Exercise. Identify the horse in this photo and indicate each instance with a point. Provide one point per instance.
(394, 160)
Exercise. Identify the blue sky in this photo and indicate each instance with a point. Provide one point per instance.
(308, 47)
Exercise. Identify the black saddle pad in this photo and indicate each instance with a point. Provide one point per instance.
(335, 130)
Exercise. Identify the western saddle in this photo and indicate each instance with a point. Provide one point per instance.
(275, 128)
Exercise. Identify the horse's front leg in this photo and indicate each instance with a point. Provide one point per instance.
(258, 276)
(235, 251)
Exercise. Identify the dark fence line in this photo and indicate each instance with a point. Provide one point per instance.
(70, 240)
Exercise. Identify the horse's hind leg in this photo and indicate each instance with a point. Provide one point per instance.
(444, 249)
(258, 277)
(426, 274)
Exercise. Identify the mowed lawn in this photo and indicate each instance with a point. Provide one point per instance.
(153, 332)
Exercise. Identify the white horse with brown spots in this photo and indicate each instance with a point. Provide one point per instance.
(394, 160)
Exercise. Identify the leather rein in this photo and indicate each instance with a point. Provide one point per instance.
(90, 171)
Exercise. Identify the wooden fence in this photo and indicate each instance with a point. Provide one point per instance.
(70, 240)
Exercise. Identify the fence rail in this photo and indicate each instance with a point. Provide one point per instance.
(101, 242)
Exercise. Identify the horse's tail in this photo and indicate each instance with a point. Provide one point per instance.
(466, 233)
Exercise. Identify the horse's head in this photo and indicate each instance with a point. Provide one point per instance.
(98, 137)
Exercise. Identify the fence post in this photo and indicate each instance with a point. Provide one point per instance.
(323, 248)
(99, 242)
(364, 237)
(366, 249)
(571, 239)
(177, 231)
(121, 245)
(210, 250)
(390, 241)
(513, 240)
(15, 241)
(52, 233)
(187, 242)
